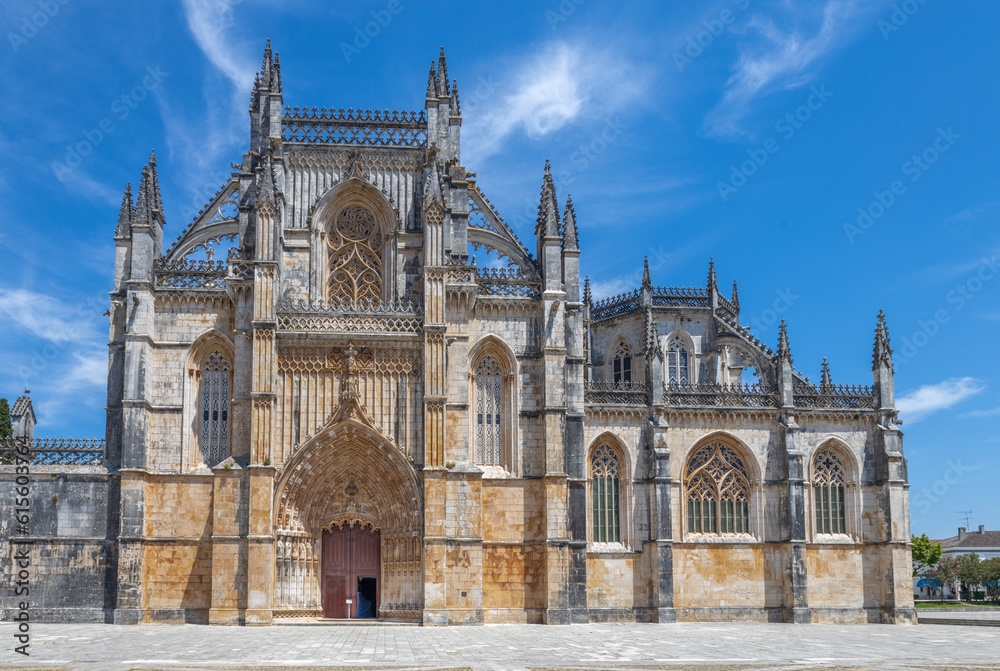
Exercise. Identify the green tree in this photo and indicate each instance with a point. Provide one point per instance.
(970, 572)
(925, 554)
(946, 572)
(6, 431)
(991, 578)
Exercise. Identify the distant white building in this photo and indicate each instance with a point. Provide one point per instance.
(984, 543)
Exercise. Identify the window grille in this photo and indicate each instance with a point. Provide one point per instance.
(355, 262)
(828, 493)
(215, 375)
(605, 492)
(677, 362)
(622, 363)
(718, 491)
(489, 412)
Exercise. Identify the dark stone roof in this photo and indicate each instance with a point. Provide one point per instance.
(973, 539)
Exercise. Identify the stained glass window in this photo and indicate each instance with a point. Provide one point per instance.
(718, 491)
(605, 494)
(828, 493)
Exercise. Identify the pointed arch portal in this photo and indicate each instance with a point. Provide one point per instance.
(347, 512)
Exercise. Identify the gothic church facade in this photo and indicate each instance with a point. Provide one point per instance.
(320, 406)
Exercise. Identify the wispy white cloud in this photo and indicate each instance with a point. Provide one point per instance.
(992, 412)
(204, 142)
(209, 21)
(930, 398)
(44, 316)
(559, 85)
(784, 58)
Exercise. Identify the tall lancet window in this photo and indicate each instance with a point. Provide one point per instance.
(828, 493)
(355, 260)
(489, 412)
(677, 362)
(718, 491)
(605, 494)
(621, 365)
(215, 376)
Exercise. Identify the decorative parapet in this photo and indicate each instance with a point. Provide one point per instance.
(187, 274)
(616, 305)
(719, 396)
(349, 317)
(507, 282)
(354, 127)
(845, 397)
(53, 451)
(615, 393)
(685, 297)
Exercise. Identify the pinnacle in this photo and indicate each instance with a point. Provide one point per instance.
(571, 239)
(586, 289)
(711, 273)
(646, 279)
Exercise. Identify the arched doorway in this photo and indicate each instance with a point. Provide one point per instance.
(348, 519)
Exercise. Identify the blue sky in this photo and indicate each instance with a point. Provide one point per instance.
(836, 157)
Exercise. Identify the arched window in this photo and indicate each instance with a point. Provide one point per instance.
(605, 494)
(828, 493)
(355, 258)
(677, 362)
(621, 365)
(215, 377)
(718, 491)
(489, 412)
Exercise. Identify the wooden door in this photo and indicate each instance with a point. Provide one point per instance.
(349, 555)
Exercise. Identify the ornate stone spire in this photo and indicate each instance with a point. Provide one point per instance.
(736, 296)
(148, 203)
(784, 351)
(456, 105)
(571, 241)
(268, 78)
(712, 283)
(587, 299)
(443, 89)
(825, 382)
(882, 352)
(432, 83)
(647, 281)
(548, 208)
(125, 215)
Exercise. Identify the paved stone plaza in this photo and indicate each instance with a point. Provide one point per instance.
(650, 646)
